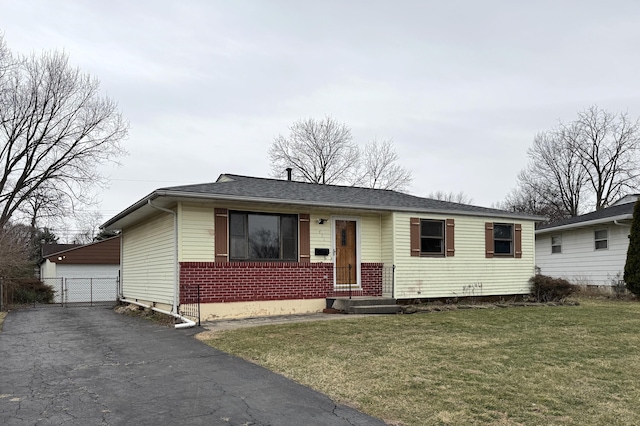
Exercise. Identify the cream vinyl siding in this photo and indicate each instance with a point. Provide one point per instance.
(579, 261)
(320, 236)
(148, 260)
(469, 272)
(387, 237)
(196, 239)
(370, 238)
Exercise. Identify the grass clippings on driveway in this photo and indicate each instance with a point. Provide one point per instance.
(568, 365)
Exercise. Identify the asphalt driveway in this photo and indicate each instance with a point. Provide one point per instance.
(91, 366)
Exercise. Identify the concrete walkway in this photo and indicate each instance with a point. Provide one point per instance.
(90, 366)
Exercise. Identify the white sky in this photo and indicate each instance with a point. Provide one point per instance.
(460, 86)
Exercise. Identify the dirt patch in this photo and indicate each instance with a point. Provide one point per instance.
(148, 314)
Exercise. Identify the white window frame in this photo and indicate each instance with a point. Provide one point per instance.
(557, 244)
(596, 240)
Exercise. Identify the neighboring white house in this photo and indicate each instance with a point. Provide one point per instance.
(590, 249)
(82, 273)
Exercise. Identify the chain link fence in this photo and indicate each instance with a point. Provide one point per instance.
(15, 292)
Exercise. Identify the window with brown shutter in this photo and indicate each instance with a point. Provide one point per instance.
(432, 237)
(488, 239)
(220, 226)
(450, 239)
(305, 238)
(503, 240)
(415, 236)
(517, 240)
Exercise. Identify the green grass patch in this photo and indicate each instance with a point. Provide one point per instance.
(566, 365)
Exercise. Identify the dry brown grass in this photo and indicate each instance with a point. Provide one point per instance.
(2, 315)
(566, 365)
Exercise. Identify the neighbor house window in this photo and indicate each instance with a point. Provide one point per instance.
(556, 244)
(503, 238)
(432, 237)
(601, 239)
(262, 236)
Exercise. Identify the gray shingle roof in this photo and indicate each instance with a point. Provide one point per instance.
(609, 212)
(273, 190)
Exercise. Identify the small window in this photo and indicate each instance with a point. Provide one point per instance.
(601, 239)
(503, 238)
(556, 244)
(432, 237)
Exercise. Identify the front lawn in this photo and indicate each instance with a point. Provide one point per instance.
(568, 365)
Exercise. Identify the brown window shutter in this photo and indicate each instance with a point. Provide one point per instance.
(415, 236)
(488, 240)
(450, 238)
(221, 234)
(517, 240)
(305, 238)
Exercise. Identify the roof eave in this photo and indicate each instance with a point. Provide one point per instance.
(194, 195)
(584, 224)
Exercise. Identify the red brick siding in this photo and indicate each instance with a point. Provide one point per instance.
(253, 281)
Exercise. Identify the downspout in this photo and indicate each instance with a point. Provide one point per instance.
(174, 309)
(186, 324)
(621, 224)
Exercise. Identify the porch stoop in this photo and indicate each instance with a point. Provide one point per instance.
(364, 305)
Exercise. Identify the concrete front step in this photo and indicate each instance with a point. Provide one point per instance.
(364, 305)
(374, 309)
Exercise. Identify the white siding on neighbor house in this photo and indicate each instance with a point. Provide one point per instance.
(88, 283)
(468, 272)
(48, 269)
(148, 267)
(88, 271)
(579, 262)
(196, 238)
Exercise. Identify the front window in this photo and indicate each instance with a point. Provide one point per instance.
(258, 236)
(432, 237)
(556, 244)
(601, 239)
(503, 238)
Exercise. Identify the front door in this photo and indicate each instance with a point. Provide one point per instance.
(346, 253)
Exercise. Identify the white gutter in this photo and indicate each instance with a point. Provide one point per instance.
(175, 255)
(186, 321)
(583, 224)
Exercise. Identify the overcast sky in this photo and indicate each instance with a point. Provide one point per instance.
(461, 87)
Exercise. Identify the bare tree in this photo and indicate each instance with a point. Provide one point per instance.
(452, 197)
(323, 151)
(318, 151)
(522, 200)
(589, 162)
(555, 176)
(379, 167)
(15, 252)
(607, 146)
(88, 224)
(55, 129)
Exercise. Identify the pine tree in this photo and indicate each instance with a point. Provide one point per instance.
(632, 266)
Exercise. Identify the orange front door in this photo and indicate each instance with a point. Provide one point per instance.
(346, 267)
